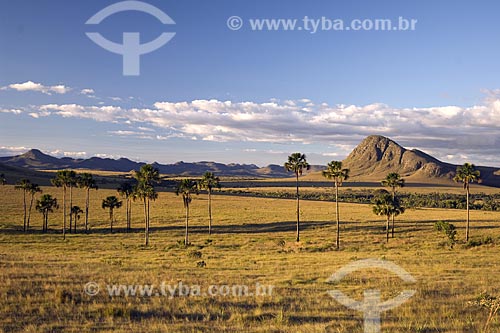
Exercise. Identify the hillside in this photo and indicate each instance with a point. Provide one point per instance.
(376, 156)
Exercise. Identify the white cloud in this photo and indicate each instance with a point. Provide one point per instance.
(14, 111)
(87, 91)
(62, 153)
(32, 86)
(12, 150)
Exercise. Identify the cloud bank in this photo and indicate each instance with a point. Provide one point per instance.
(451, 132)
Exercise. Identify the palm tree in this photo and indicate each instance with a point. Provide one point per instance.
(87, 182)
(146, 177)
(33, 190)
(65, 179)
(111, 203)
(46, 205)
(126, 190)
(24, 185)
(297, 163)
(334, 171)
(75, 211)
(208, 182)
(3, 180)
(467, 174)
(385, 205)
(186, 187)
(393, 180)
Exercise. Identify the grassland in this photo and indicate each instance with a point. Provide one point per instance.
(42, 277)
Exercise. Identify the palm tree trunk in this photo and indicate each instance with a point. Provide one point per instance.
(298, 208)
(126, 208)
(146, 230)
(186, 237)
(337, 213)
(129, 214)
(210, 212)
(29, 211)
(45, 222)
(24, 209)
(468, 217)
(64, 212)
(148, 220)
(111, 219)
(87, 199)
(393, 198)
(70, 207)
(387, 228)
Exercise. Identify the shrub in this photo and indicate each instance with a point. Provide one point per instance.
(449, 230)
(478, 242)
(490, 303)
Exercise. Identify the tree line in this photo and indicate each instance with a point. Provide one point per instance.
(386, 203)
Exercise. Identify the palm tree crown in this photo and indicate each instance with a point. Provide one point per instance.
(209, 181)
(467, 174)
(148, 175)
(297, 163)
(185, 188)
(111, 202)
(393, 180)
(334, 171)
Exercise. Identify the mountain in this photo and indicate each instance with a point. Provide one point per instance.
(36, 160)
(376, 156)
(370, 161)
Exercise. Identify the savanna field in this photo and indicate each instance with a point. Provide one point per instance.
(42, 276)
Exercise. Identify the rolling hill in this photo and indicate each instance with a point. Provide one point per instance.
(37, 160)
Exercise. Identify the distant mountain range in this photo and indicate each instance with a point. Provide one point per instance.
(370, 161)
(36, 160)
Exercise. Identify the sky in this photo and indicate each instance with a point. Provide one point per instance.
(220, 92)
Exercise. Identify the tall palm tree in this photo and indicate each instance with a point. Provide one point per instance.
(335, 172)
(467, 174)
(33, 190)
(65, 179)
(146, 177)
(3, 180)
(187, 187)
(126, 190)
(87, 182)
(297, 163)
(393, 180)
(111, 203)
(46, 205)
(75, 211)
(24, 185)
(208, 182)
(385, 205)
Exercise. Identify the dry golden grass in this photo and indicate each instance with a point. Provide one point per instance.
(42, 277)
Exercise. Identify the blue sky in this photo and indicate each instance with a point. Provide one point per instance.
(246, 96)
